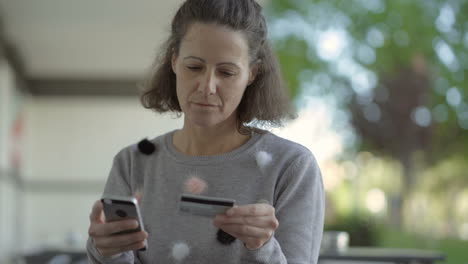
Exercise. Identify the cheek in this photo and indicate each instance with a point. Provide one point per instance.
(181, 92)
(234, 95)
(184, 83)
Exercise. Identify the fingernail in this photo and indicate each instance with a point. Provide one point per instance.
(229, 212)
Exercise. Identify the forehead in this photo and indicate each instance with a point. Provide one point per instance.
(214, 43)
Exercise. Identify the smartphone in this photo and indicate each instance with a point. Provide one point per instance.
(118, 208)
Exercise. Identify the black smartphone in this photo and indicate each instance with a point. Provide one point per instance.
(118, 208)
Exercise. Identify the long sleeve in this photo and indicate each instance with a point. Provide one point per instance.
(290, 181)
(117, 184)
(96, 258)
(300, 210)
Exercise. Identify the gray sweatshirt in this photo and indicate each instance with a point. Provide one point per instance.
(267, 167)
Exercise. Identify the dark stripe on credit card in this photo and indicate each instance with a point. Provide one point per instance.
(206, 201)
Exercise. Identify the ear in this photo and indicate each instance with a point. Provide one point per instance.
(253, 72)
(174, 62)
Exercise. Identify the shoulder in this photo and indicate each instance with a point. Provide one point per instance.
(142, 148)
(279, 145)
(287, 156)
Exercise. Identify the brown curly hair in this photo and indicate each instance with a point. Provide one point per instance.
(265, 100)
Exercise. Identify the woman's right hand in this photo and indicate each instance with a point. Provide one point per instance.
(103, 233)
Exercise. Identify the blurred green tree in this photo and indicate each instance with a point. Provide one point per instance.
(446, 182)
(395, 67)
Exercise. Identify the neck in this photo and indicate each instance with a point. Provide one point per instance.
(200, 141)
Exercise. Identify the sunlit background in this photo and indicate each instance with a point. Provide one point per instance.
(380, 87)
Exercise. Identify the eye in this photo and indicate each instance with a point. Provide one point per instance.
(194, 68)
(227, 73)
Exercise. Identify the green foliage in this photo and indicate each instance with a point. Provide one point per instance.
(398, 69)
(439, 201)
(445, 190)
(454, 249)
(363, 230)
(379, 172)
(450, 174)
(417, 35)
(293, 61)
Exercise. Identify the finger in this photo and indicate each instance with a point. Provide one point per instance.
(107, 229)
(119, 241)
(253, 243)
(258, 221)
(251, 210)
(106, 252)
(96, 215)
(240, 231)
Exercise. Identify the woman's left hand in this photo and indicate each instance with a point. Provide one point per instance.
(253, 224)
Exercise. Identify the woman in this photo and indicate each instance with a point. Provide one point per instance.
(218, 69)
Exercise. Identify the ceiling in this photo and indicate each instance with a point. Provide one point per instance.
(86, 39)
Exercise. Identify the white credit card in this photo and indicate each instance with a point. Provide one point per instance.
(204, 205)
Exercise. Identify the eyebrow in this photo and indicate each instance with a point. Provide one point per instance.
(202, 60)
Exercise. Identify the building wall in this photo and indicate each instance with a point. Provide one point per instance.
(67, 150)
(9, 190)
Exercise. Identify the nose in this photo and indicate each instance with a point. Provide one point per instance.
(208, 84)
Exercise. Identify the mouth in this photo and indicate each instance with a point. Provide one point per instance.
(204, 104)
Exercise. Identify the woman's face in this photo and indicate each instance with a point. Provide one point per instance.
(212, 71)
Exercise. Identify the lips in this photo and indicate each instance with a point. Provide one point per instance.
(204, 104)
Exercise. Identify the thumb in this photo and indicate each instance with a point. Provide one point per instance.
(97, 213)
(139, 196)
